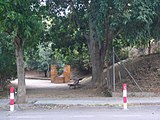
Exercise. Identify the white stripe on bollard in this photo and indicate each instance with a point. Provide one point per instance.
(11, 95)
(124, 93)
(12, 108)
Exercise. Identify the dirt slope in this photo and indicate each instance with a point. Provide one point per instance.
(146, 71)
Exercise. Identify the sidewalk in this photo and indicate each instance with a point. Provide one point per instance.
(102, 101)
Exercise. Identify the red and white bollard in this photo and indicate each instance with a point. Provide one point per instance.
(125, 96)
(11, 98)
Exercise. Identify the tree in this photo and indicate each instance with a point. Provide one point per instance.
(20, 19)
(104, 20)
(68, 45)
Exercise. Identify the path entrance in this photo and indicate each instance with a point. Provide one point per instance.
(37, 88)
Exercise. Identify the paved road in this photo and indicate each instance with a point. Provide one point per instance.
(89, 101)
(98, 101)
(85, 113)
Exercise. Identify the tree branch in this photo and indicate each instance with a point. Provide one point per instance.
(118, 32)
(75, 11)
(87, 37)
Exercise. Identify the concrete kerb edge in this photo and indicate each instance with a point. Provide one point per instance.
(135, 94)
(54, 106)
(110, 105)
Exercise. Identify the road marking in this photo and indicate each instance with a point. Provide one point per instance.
(126, 115)
(83, 116)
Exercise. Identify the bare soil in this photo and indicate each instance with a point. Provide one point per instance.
(40, 87)
(146, 72)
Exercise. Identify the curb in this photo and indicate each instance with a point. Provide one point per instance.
(29, 106)
(135, 94)
(65, 103)
(129, 104)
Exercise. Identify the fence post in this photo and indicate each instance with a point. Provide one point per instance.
(114, 81)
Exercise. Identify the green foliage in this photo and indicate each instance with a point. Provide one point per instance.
(21, 18)
(139, 28)
(120, 46)
(7, 59)
(68, 43)
(30, 58)
(39, 58)
(77, 57)
(135, 18)
(45, 53)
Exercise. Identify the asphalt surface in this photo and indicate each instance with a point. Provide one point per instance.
(101, 101)
(83, 113)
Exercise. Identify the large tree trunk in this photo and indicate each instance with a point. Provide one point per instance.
(21, 95)
(97, 56)
(98, 50)
(97, 61)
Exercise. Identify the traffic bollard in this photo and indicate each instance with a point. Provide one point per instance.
(125, 96)
(11, 98)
